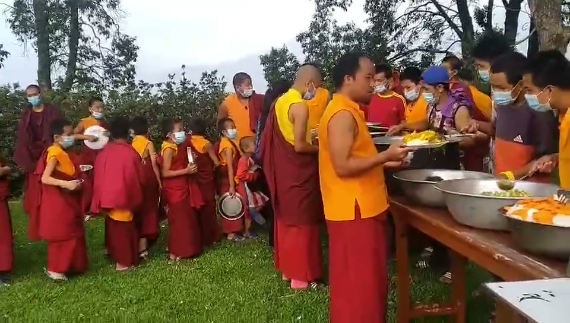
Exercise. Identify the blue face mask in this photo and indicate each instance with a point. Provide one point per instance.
(430, 99)
(97, 115)
(502, 98)
(533, 103)
(412, 95)
(179, 137)
(35, 101)
(484, 75)
(67, 141)
(231, 133)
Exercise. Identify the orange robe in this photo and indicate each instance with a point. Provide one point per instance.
(147, 216)
(564, 153)
(6, 236)
(223, 181)
(317, 107)
(244, 116)
(87, 157)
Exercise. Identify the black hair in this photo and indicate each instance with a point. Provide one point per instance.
(549, 67)
(512, 64)
(412, 74)
(57, 125)
(166, 126)
(119, 128)
(466, 75)
(239, 78)
(384, 68)
(222, 124)
(139, 124)
(347, 65)
(94, 99)
(198, 126)
(273, 93)
(34, 86)
(243, 142)
(453, 61)
(491, 45)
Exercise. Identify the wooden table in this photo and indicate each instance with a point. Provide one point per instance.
(494, 251)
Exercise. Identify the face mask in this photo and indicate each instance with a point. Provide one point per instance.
(231, 133)
(502, 98)
(412, 95)
(35, 101)
(430, 99)
(533, 103)
(179, 137)
(484, 75)
(380, 88)
(247, 93)
(67, 141)
(97, 115)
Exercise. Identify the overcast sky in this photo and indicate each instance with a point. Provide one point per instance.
(204, 35)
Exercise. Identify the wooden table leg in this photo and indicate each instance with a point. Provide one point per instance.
(458, 285)
(505, 314)
(402, 264)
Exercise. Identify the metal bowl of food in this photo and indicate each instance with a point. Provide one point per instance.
(477, 202)
(418, 184)
(541, 239)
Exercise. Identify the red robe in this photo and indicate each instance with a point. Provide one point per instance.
(6, 237)
(87, 156)
(33, 137)
(223, 186)
(147, 215)
(254, 108)
(293, 181)
(182, 196)
(61, 223)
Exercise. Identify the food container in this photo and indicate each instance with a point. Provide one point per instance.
(468, 206)
(541, 239)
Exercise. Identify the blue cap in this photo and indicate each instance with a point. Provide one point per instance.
(436, 75)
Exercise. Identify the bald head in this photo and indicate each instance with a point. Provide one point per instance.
(307, 74)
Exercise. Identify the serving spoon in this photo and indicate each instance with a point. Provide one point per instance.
(509, 183)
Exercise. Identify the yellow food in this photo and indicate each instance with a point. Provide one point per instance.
(547, 211)
(424, 137)
(511, 193)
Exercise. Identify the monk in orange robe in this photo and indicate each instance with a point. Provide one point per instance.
(87, 155)
(6, 237)
(354, 195)
(118, 191)
(180, 192)
(206, 161)
(290, 163)
(61, 222)
(147, 215)
(243, 107)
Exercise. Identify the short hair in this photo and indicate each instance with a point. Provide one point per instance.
(549, 67)
(198, 126)
(315, 65)
(95, 99)
(222, 124)
(166, 125)
(347, 64)
(412, 74)
(512, 64)
(453, 61)
(119, 128)
(491, 45)
(240, 77)
(466, 75)
(139, 124)
(384, 68)
(245, 141)
(34, 86)
(57, 125)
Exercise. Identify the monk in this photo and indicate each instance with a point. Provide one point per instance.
(180, 193)
(60, 218)
(33, 137)
(244, 106)
(482, 101)
(147, 214)
(6, 237)
(290, 164)
(354, 195)
(206, 161)
(317, 102)
(118, 191)
(87, 155)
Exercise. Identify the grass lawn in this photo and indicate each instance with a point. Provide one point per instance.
(229, 283)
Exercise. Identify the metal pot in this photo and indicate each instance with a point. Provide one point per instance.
(469, 207)
(541, 239)
(421, 191)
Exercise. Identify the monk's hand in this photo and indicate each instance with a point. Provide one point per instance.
(544, 164)
(191, 168)
(92, 138)
(71, 185)
(394, 130)
(232, 191)
(471, 127)
(397, 153)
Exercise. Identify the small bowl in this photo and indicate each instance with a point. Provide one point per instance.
(85, 168)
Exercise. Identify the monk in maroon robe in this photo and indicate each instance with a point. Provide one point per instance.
(33, 137)
(6, 237)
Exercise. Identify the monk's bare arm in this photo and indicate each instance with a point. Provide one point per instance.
(213, 156)
(341, 133)
(152, 154)
(229, 162)
(167, 162)
(5, 171)
(222, 111)
(46, 176)
(299, 116)
(79, 129)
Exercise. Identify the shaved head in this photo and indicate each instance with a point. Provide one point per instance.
(308, 74)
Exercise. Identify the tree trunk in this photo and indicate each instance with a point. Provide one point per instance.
(73, 43)
(548, 18)
(43, 43)
(468, 31)
(512, 10)
(489, 20)
(533, 44)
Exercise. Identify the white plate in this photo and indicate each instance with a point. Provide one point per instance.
(85, 168)
(98, 132)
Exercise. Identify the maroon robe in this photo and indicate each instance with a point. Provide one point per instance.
(223, 186)
(33, 137)
(6, 236)
(87, 156)
(147, 215)
(293, 181)
(61, 223)
(254, 108)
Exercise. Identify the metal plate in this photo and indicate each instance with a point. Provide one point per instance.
(231, 208)
(428, 145)
(98, 132)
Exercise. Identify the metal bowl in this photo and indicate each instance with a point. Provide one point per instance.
(540, 239)
(469, 207)
(422, 192)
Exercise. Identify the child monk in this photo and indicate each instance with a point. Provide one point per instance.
(206, 161)
(118, 190)
(6, 237)
(61, 222)
(147, 215)
(178, 193)
(229, 154)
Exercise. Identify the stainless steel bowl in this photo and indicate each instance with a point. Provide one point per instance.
(540, 239)
(422, 192)
(469, 207)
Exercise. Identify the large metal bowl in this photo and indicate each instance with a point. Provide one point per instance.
(540, 239)
(469, 207)
(422, 192)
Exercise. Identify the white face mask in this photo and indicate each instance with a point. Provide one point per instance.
(247, 93)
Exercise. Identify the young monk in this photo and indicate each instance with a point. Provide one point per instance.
(180, 193)
(317, 102)
(386, 107)
(118, 190)
(147, 215)
(6, 237)
(206, 161)
(61, 222)
(229, 154)
(290, 165)
(354, 195)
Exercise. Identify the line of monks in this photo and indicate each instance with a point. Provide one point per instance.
(318, 163)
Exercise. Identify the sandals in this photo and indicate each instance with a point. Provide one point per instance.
(423, 263)
(125, 270)
(446, 278)
(144, 255)
(249, 235)
(236, 238)
(56, 277)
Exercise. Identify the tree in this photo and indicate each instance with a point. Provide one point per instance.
(548, 16)
(279, 64)
(3, 55)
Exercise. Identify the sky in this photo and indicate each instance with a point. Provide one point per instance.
(203, 35)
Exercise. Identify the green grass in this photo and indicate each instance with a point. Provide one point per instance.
(229, 283)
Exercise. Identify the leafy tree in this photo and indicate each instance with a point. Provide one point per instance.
(3, 55)
(279, 64)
